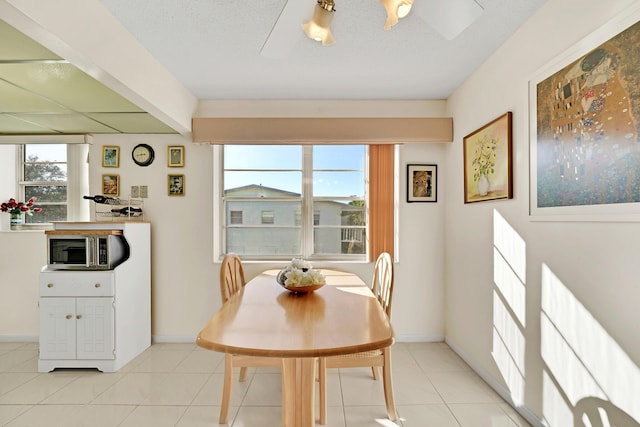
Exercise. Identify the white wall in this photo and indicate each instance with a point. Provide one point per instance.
(576, 338)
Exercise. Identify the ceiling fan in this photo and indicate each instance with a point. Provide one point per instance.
(448, 17)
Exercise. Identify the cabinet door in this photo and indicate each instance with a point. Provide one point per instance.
(57, 328)
(95, 328)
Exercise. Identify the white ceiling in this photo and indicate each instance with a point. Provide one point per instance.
(213, 48)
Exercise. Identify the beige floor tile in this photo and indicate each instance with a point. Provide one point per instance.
(359, 387)
(12, 359)
(38, 389)
(433, 415)
(463, 387)
(368, 416)
(133, 389)
(439, 359)
(84, 389)
(414, 388)
(100, 415)
(45, 415)
(211, 392)
(161, 361)
(201, 361)
(154, 416)
(481, 415)
(11, 412)
(203, 416)
(12, 380)
(264, 390)
(177, 389)
(257, 416)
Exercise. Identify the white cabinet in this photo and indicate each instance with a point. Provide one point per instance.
(97, 319)
(77, 328)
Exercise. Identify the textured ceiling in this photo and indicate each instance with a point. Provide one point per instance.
(213, 49)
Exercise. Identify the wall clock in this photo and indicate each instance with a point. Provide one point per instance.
(143, 154)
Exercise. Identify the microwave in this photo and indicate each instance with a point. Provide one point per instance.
(86, 249)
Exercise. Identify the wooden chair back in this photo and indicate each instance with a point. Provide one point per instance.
(231, 276)
(382, 285)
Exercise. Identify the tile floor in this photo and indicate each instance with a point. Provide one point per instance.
(180, 385)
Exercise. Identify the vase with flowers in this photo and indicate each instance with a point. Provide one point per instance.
(484, 161)
(16, 209)
(300, 277)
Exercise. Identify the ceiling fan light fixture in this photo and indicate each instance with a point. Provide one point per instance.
(318, 28)
(395, 9)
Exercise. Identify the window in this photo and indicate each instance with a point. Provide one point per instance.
(43, 175)
(298, 201)
(235, 217)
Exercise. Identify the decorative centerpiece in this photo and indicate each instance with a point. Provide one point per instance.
(16, 209)
(300, 277)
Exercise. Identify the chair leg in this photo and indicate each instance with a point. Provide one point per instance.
(226, 388)
(322, 378)
(388, 385)
(243, 374)
(375, 372)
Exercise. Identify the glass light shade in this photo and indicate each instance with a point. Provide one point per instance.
(318, 28)
(395, 9)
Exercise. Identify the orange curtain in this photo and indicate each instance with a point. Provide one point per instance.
(381, 186)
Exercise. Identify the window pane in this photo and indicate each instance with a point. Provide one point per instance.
(264, 241)
(46, 193)
(339, 157)
(49, 213)
(341, 184)
(263, 157)
(45, 153)
(262, 184)
(45, 172)
(345, 240)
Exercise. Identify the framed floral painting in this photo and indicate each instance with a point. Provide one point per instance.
(488, 173)
(111, 185)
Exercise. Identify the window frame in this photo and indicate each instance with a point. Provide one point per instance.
(307, 212)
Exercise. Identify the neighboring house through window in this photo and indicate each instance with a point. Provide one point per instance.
(282, 193)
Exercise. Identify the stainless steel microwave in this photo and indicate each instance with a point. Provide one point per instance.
(86, 249)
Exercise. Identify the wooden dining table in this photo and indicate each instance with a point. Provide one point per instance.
(264, 319)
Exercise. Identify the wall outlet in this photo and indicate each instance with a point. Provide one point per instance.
(144, 191)
(135, 191)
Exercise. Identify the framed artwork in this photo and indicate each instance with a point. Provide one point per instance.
(175, 185)
(110, 185)
(110, 156)
(422, 183)
(488, 173)
(175, 156)
(585, 128)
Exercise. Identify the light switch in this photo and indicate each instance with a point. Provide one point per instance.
(144, 191)
(135, 191)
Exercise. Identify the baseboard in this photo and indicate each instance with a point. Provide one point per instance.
(173, 339)
(419, 338)
(499, 388)
(18, 338)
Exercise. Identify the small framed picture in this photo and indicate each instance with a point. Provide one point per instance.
(110, 156)
(176, 156)
(110, 185)
(175, 185)
(422, 183)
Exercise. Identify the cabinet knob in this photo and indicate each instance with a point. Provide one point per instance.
(68, 316)
(97, 285)
(49, 285)
(79, 316)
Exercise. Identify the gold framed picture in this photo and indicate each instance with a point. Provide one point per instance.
(110, 156)
(110, 185)
(175, 156)
(175, 185)
(487, 162)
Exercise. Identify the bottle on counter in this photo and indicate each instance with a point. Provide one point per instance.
(103, 199)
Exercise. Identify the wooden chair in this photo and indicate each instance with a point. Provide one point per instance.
(382, 288)
(232, 280)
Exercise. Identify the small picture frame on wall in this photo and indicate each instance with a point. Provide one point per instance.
(110, 156)
(110, 185)
(175, 185)
(422, 183)
(175, 156)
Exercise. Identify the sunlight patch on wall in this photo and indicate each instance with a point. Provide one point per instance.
(509, 306)
(587, 371)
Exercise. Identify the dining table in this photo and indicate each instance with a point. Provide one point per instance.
(265, 319)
